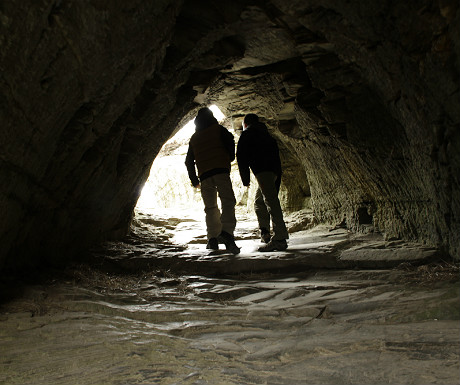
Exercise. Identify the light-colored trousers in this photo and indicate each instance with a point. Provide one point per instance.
(216, 222)
(267, 205)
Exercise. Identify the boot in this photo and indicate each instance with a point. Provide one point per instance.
(229, 242)
(213, 244)
(273, 245)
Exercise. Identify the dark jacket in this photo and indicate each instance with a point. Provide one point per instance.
(212, 149)
(257, 150)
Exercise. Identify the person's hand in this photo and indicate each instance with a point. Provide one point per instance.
(197, 186)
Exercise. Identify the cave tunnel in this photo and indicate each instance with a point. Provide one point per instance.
(365, 108)
(362, 98)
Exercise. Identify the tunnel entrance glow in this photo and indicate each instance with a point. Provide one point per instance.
(168, 185)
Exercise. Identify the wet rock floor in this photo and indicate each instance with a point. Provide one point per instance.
(335, 308)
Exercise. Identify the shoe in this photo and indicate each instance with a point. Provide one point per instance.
(213, 244)
(274, 245)
(265, 235)
(229, 242)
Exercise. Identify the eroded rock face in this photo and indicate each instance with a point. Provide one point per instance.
(363, 98)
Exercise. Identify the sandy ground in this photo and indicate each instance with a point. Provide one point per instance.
(335, 308)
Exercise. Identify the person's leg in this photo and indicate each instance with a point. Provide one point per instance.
(228, 202)
(212, 213)
(228, 218)
(266, 181)
(263, 216)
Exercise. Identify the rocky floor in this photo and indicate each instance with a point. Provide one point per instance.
(335, 308)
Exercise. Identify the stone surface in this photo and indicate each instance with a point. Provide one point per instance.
(310, 247)
(192, 316)
(363, 98)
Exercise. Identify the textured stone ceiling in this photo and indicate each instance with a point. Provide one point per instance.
(362, 96)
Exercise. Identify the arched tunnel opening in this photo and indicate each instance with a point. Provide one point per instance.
(168, 185)
(168, 189)
(98, 285)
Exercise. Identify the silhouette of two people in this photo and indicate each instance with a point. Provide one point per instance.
(211, 151)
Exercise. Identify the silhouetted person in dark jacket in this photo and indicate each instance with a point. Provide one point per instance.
(258, 151)
(212, 149)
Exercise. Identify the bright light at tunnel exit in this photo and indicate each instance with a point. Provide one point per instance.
(159, 191)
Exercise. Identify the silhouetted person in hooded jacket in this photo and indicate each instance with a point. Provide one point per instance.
(212, 149)
(258, 151)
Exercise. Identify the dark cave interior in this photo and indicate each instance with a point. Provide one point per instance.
(363, 98)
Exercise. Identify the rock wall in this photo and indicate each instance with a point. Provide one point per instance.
(363, 97)
(72, 78)
(382, 119)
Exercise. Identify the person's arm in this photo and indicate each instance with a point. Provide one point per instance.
(229, 142)
(243, 161)
(190, 164)
(277, 164)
